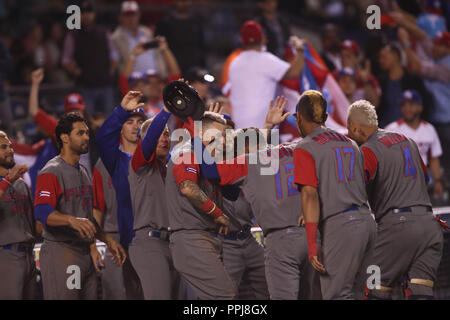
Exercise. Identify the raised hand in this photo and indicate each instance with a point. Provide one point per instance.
(131, 101)
(364, 73)
(217, 108)
(17, 171)
(37, 76)
(276, 113)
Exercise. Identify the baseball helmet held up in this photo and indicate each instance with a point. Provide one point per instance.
(183, 101)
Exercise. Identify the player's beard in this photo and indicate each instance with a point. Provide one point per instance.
(81, 149)
(7, 162)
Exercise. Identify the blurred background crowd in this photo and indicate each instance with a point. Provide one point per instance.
(403, 69)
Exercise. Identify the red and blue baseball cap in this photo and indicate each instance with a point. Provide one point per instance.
(73, 101)
(136, 76)
(346, 71)
(350, 45)
(411, 95)
(138, 112)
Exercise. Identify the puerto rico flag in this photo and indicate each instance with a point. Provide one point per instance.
(35, 157)
(315, 76)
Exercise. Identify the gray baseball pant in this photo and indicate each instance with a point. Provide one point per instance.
(197, 256)
(152, 260)
(408, 244)
(119, 283)
(286, 258)
(347, 250)
(19, 271)
(246, 257)
(67, 271)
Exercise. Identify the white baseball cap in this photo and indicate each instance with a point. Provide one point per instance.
(129, 6)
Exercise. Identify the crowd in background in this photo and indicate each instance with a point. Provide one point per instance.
(403, 69)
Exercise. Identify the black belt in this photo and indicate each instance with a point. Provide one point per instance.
(18, 247)
(410, 209)
(162, 235)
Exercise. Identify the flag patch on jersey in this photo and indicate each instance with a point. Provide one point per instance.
(191, 170)
(44, 194)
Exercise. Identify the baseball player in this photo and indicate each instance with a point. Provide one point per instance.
(17, 228)
(424, 135)
(118, 283)
(242, 254)
(149, 250)
(275, 202)
(329, 173)
(409, 241)
(194, 219)
(63, 204)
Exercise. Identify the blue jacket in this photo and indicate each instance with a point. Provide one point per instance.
(116, 162)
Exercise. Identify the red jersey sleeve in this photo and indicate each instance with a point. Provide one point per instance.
(138, 160)
(123, 85)
(99, 196)
(186, 169)
(46, 122)
(370, 164)
(231, 172)
(304, 169)
(48, 190)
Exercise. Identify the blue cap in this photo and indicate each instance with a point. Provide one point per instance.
(412, 95)
(135, 76)
(138, 112)
(227, 116)
(347, 71)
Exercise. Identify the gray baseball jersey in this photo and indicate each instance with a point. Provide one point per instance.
(268, 187)
(240, 213)
(105, 197)
(182, 214)
(67, 189)
(334, 165)
(17, 229)
(396, 172)
(17, 222)
(147, 188)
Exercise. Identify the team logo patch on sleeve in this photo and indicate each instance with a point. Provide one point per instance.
(44, 194)
(191, 170)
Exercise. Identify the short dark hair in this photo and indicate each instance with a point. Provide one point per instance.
(313, 106)
(261, 141)
(65, 125)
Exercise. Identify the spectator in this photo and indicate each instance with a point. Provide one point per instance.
(331, 47)
(254, 76)
(432, 63)
(53, 53)
(423, 133)
(151, 83)
(92, 69)
(275, 28)
(185, 35)
(73, 103)
(394, 81)
(367, 85)
(200, 79)
(129, 34)
(347, 80)
(431, 20)
(6, 117)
